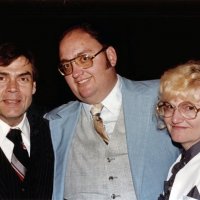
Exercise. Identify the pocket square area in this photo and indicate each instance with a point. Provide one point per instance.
(194, 193)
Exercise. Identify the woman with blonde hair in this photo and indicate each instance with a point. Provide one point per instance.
(178, 108)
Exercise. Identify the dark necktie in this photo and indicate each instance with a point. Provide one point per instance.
(20, 158)
(98, 122)
(168, 184)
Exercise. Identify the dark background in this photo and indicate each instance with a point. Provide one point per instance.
(149, 36)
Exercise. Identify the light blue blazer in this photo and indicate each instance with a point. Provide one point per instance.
(150, 150)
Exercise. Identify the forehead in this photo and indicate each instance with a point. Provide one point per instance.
(21, 64)
(177, 101)
(78, 39)
(187, 94)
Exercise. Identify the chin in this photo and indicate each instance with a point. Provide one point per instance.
(178, 138)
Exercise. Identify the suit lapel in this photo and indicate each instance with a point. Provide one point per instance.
(35, 128)
(62, 135)
(40, 172)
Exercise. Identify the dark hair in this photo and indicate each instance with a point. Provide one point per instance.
(10, 52)
(97, 33)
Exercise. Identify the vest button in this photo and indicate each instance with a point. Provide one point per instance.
(111, 178)
(110, 159)
(114, 196)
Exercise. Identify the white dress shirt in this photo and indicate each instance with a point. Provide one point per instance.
(110, 112)
(6, 145)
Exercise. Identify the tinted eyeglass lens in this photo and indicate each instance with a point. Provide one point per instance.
(65, 69)
(84, 61)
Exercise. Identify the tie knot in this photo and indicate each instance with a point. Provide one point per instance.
(96, 109)
(14, 135)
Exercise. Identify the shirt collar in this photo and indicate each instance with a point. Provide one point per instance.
(191, 152)
(113, 101)
(23, 126)
(4, 129)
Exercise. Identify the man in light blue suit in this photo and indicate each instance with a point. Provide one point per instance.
(133, 163)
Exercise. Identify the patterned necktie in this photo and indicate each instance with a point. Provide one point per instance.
(98, 122)
(20, 158)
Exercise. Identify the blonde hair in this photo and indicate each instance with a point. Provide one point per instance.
(182, 82)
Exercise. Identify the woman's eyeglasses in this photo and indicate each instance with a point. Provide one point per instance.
(186, 109)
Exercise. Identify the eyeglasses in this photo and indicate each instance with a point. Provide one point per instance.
(85, 61)
(186, 109)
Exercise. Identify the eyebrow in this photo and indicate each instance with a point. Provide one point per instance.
(26, 74)
(22, 74)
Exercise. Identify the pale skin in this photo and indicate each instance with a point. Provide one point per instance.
(93, 84)
(16, 90)
(184, 131)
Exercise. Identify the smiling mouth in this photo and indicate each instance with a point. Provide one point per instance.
(83, 81)
(11, 101)
(179, 127)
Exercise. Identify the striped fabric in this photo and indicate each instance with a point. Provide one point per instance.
(98, 122)
(20, 158)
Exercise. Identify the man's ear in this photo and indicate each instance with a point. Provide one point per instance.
(111, 55)
(34, 88)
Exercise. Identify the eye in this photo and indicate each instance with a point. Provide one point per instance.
(2, 78)
(168, 106)
(65, 65)
(84, 58)
(24, 79)
(189, 107)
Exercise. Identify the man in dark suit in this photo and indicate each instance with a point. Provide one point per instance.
(29, 176)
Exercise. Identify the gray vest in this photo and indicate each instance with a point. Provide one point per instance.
(97, 171)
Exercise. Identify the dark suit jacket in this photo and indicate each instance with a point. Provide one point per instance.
(38, 182)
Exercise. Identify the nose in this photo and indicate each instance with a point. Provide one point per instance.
(12, 85)
(77, 70)
(177, 117)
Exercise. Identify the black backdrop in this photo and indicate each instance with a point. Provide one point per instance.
(150, 36)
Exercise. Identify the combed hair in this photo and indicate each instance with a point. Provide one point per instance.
(95, 32)
(182, 81)
(11, 51)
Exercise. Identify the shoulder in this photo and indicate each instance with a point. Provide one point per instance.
(35, 117)
(63, 110)
(35, 112)
(148, 87)
(143, 83)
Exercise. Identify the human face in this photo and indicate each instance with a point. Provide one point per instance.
(16, 90)
(93, 84)
(182, 130)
